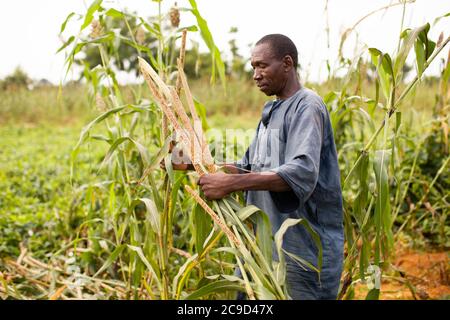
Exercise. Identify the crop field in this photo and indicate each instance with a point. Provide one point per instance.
(91, 208)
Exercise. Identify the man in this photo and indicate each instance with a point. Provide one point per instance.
(291, 170)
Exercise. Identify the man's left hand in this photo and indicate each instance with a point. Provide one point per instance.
(216, 185)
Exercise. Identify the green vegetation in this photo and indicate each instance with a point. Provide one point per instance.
(99, 213)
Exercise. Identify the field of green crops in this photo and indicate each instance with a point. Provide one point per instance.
(86, 212)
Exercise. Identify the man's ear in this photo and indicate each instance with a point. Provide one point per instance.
(288, 63)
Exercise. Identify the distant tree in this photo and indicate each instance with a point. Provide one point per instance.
(237, 63)
(18, 79)
(197, 64)
(43, 83)
(431, 80)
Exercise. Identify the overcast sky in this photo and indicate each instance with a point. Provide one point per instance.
(29, 28)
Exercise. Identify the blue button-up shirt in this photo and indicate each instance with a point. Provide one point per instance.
(295, 140)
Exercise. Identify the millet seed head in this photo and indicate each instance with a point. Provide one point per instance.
(96, 29)
(174, 16)
(100, 103)
(140, 36)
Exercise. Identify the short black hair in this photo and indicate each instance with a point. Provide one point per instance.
(281, 46)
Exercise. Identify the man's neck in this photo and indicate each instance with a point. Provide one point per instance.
(291, 87)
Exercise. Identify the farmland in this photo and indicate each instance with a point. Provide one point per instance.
(37, 199)
(86, 212)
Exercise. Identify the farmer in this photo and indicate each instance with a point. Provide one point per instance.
(291, 170)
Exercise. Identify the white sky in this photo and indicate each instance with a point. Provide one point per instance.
(29, 28)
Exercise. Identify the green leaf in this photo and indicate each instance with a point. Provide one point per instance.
(377, 97)
(263, 229)
(215, 287)
(155, 192)
(174, 196)
(366, 116)
(85, 133)
(169, 167)
(101, 138)
(112, 199)
(162, 153)
(387, 64)
(153, 214)
(103, 38)
(360, 202)
(141, 255)
(133, 44)
(330, 97)
(439, 18)
(405, 49)
(246, 212)
(364, 258)
(445, 77)
(420, 58)
(183, 271)
(279, 245)
(202, 222)
(263, 293)
(398, 120)
(90, 13)
(142, 150)
(77, 48)
(373, 294)
(253, 260)
(384, 70)
(405, 33)
(192, 28)
(201, 111)
(150, 29)
(382, 204)
(217, 61)
(113, 256)
(114, 13)
(431, 45)
(428, 44)
(66, 44)
(63, 25)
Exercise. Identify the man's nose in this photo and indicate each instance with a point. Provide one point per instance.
(257, 75)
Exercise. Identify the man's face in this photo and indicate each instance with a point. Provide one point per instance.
(269, 72)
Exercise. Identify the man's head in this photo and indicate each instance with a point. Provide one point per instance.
(274, 60)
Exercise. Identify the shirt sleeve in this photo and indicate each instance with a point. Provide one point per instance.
(302, 154)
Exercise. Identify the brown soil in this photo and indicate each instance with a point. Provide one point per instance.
(428, 273)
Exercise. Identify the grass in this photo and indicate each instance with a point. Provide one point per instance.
(45, 105)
